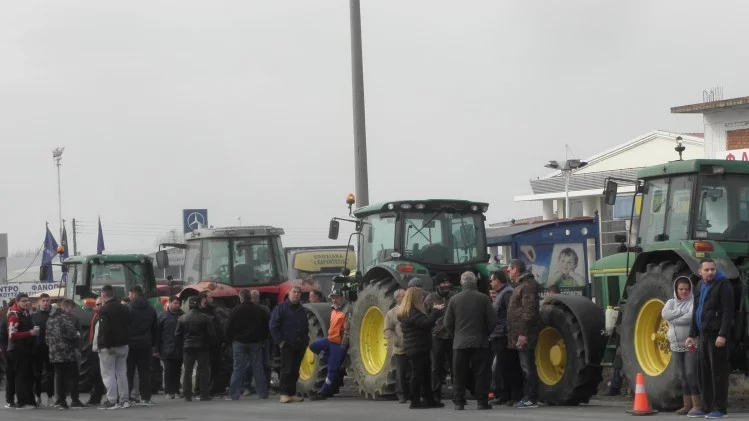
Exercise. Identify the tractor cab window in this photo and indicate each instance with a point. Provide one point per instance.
(122, 277)
(378, 239)
(723, 208)
(214, 261)
(75, 277)
(653, 219)
(679, 205)
(192, 262)
(442, 238)
(253, 262)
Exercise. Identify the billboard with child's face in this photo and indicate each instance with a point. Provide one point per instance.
(560, 264)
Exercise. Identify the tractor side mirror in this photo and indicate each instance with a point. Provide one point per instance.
(609, 193)
(162, 259)
(333, 229)
(43, 273)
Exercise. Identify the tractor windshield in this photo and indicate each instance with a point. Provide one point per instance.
(666, 209)
(723, 208)
(442, 238)
(234, 261)
(122, 277)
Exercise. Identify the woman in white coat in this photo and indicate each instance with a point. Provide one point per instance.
(678, 314)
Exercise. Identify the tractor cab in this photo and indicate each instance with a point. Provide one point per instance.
(239, 257)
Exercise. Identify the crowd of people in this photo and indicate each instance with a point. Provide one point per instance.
(486, 342)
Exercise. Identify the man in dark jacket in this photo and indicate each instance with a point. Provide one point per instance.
(523, 322)
(42, 367)
(712, 320)
(142, 341)
(196, 331)
(169, 346)
(469, 319)
(98, 386)
(112, 342)
(21, 335)
(219, 317)
(442, 341)
(62, 338)
(247, 330)
(289, 329)
(508, 378)
(10, 379)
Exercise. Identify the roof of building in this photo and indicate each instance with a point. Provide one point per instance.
(724, 104)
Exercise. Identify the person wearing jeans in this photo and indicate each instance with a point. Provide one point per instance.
(112, 338)
(247, 330)
(523, 322)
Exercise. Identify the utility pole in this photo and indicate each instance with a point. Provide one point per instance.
(57, 156)
(360, 132)
(75, 243)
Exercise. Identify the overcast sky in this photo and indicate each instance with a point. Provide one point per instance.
(244, 107)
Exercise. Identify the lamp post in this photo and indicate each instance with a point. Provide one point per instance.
(566, 168)
(360, 132)
(57, 156)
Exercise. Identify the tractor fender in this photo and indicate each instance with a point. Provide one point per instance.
(382, 272)
(592, 323)
(722, 263)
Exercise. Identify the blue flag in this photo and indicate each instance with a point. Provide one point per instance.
(50, 251)
(100, 241)
(64, 255)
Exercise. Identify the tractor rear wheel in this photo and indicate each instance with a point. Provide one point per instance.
(564, 378)
(313, 371)
(85, 373)
(370, 359)
(644, 346)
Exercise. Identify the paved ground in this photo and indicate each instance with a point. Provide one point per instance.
(338, 409)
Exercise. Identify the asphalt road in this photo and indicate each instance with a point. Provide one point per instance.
(336, 409)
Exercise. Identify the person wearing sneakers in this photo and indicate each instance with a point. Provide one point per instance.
(523, 321)
(332, 346)
(712, 321)
(289, 329)
(678, 314)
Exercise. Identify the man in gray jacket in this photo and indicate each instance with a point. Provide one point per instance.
(469, 319)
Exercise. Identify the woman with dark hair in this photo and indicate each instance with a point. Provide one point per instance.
(678, 314)
(417, 345)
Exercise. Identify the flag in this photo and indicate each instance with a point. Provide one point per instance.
(100, 241)
(50, 251)
(64, 255)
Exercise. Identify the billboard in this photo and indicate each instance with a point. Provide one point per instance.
(560, 264)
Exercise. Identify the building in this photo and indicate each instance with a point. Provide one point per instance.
(622, 162)
(726, 126)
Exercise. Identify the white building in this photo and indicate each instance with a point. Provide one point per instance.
(586, 184)
(726, 126)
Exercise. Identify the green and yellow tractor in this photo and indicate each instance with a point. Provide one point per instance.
(396, 242)
(682, 212)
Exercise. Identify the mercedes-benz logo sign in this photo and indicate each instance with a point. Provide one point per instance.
(195, 220)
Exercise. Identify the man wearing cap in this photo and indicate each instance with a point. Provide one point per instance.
(442, 341)
(332, 346)
(195, 330)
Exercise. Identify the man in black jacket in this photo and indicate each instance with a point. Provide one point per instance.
(247, 331)
(142, 341)
(712, 320)
(442, 341)
(42, 367)
(169, 346)
(469, 318)
(218, 316)
(112, 339)
(289, 328)
(195, 329)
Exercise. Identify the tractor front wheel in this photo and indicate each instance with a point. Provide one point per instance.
(314, 370)
(370, 359)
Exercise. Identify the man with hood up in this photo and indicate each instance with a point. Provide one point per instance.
(678, 314)
(712, 321)
(442, 341)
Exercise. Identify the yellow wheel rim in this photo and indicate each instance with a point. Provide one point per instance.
(372, 344)
(652, 348)
(551, 356)
(309, 363)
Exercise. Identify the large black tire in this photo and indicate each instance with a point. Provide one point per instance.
(85, 375)
(574, 382)
(313, 371)
(656, 283)
(370, 358)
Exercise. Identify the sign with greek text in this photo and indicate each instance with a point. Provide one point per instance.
(733, 155)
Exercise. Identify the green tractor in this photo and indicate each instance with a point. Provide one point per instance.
(682, 212)
(397, 241)
(86, 275)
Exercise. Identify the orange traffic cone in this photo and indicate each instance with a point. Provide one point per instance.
(642, 403)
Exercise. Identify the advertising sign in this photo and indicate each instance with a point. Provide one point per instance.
(733, 155)
(9, 291)
(560, 264)
(193, 219)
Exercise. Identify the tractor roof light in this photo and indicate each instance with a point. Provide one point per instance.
(475, 208)
(719, 170)
(703, 246)
(405, 206)
(350, 199)
(484, 208)
(391, 206)
(420, 206)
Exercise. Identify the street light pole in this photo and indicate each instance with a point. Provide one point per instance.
(360, 132)
(57, 156)
(566, 168)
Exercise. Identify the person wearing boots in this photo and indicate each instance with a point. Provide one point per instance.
(417, 326)
(442, 341)
(678, 314)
